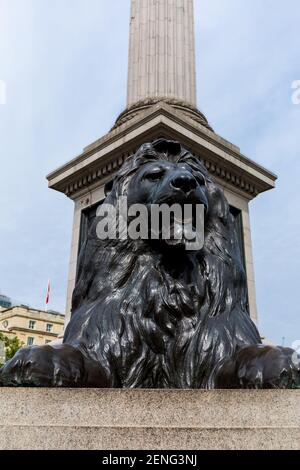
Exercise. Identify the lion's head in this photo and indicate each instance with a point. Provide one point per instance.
(163, 174)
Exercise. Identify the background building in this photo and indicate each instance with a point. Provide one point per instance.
(31, 326)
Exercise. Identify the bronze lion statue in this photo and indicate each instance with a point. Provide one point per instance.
(152, 314)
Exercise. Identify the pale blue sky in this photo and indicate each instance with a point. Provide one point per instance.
(64, 63)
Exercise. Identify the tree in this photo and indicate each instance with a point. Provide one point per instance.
(11, 345)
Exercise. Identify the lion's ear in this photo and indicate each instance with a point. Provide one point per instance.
(108, 187)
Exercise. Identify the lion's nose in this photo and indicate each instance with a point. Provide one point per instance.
(184, 181)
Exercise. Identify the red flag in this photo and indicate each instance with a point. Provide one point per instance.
(48, 293)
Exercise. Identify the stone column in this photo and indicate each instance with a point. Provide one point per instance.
(162, 51)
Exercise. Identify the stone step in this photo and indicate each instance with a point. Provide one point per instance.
(32, 418)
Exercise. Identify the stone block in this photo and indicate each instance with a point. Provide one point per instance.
(32, 418)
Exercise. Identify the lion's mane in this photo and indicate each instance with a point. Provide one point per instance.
(152, 322)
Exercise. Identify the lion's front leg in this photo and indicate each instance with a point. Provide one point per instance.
(260, 366)
(51, 366)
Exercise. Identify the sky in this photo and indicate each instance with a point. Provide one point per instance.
(63, 65)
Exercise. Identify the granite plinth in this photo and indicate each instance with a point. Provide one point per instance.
(32, 418)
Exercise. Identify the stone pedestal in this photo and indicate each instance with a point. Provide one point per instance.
(149, 419)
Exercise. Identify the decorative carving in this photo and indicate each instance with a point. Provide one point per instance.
(147, 313)
(186, 108)
(111, 167)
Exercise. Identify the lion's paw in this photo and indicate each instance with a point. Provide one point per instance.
(261, 366)
(44, 366)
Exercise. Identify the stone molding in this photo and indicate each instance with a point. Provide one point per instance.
(187, 109)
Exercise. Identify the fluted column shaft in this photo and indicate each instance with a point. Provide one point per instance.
(161, 51)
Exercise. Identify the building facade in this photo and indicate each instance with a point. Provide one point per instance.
(32, 327)
(161, 103)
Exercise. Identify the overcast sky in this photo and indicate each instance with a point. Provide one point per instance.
(64, 63)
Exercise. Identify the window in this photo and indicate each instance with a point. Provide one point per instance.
(30, 341)
(88, 216)
(237, 215)
(238, 222)
(49, 328)
(32, 324)
(47, 341)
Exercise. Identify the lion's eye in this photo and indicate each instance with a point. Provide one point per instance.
(154, 175)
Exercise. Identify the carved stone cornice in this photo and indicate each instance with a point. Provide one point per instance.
(100, 160)
(220, 171)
